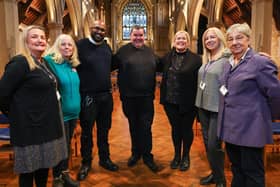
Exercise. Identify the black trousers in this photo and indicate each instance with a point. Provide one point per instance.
(95, 109)
(181, 123)
(40, 176)
(247, 166)
(69, 127)
(213, 145)
(140, 113)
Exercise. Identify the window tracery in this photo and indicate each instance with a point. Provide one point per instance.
(134, 13)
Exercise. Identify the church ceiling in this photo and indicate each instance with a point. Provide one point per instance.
(234, 11)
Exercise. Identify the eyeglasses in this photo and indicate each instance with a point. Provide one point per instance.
(98, 29)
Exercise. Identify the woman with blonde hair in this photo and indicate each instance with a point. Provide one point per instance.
(63, 59)
(207, 101)
(177, 94)
(28, 95)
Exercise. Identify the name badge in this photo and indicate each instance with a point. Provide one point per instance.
(58, 95)
(223, 90)
(202, 85)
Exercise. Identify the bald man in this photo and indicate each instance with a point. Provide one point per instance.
(96, 97)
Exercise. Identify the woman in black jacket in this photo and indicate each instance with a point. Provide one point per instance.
(28, 95)
(178, 92)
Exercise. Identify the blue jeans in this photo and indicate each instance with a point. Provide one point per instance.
(69, 127)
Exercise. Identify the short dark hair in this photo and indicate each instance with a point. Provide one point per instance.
(136, 27)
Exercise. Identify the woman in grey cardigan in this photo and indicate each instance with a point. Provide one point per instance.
(207, 101)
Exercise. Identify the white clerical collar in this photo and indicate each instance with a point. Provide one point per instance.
(94, 42)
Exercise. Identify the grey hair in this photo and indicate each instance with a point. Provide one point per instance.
(243, 28)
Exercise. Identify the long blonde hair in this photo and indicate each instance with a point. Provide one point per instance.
(24, 50)
(221, 49)
(56, 55)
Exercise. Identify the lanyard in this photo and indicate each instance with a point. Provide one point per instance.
(206, 68)
(47, 72)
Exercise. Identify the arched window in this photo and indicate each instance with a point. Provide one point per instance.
(134, 13)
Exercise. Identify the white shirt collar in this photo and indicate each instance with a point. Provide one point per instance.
(94, 42)
(231, 60)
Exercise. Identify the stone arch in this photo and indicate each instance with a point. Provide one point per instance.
(215, 13)
(55, 10)
(76, 18)
(191, 11)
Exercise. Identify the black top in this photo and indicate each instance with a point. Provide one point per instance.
(29, 98)
(184, 85)
(137, 71)
(95, 68)
(173, 85)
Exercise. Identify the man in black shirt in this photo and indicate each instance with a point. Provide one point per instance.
(96, 98)
(136, 79)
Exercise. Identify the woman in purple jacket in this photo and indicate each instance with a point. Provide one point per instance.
(249, 87)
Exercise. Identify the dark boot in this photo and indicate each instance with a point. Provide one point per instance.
(185, 163)
(68, 182)
(209, 179)
(108, 164)
(83, 173)
(174, 164)
(132, 161)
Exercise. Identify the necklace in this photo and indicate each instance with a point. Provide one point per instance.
(46, 71)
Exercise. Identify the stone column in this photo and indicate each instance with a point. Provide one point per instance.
(55, 29)
(55, 10)
(261, 25)
(9, 34)
(193, 44)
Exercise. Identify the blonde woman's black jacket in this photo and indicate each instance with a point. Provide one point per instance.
(186, 77)
(29, 98)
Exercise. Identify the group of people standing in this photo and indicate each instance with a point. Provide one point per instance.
(44, 92)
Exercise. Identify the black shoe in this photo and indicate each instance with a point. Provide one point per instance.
(175, 163)
(109, 165)
(207, 180)
(152, 166)
(83, 172)
(68, 182)
(221, 185)
(57, 182)
(132, 161)
(185, 164)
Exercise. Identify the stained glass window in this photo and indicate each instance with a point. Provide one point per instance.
(134, 13)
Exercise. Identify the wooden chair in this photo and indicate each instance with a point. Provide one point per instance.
(275, 147)
(5, 146)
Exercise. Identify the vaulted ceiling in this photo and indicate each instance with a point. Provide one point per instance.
(234, 11)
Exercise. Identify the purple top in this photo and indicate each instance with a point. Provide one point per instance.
(245, 111)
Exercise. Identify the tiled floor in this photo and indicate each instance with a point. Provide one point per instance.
(140, 175)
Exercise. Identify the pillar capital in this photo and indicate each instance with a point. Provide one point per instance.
(53, 25)
(55, 29)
